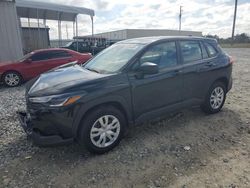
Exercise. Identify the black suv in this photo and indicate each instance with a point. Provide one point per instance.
(130, 82)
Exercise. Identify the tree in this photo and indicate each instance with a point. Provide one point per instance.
(239, 38)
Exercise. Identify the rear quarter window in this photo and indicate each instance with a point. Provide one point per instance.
(211, 50)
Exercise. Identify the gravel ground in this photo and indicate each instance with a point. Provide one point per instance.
(187, 149)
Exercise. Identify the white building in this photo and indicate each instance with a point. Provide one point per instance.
(135, 33)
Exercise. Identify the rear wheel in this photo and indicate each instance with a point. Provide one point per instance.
(12, 79)
(102, 129)
(215, 98)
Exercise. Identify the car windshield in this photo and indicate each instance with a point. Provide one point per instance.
(68, 44)
(113, 58)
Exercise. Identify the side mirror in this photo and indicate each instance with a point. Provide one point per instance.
(148, 68)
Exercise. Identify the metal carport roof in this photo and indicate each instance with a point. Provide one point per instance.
(50, 11)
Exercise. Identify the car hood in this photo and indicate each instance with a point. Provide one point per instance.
(64, 79)
(3, 63)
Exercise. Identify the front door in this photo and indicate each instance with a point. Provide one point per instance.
(154, 94)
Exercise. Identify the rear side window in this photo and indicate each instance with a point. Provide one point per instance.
(212, 52)
(58, 54)
(191, 51)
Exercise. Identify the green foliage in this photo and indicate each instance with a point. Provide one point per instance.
(239, 38)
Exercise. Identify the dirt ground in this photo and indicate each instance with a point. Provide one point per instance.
(187, 149)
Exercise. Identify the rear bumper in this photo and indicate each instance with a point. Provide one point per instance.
(230, 84)
(38, 138)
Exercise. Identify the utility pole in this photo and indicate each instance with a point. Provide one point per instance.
(180, 18)
(235, 11)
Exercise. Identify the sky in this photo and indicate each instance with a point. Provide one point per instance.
(209, 16)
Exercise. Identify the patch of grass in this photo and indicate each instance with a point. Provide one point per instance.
(235, 45)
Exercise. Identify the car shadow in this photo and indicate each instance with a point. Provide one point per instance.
(156, 145)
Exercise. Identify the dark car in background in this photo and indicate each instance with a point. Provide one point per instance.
(92, 45)
(128, 83)
(13, 73)
(84, 47)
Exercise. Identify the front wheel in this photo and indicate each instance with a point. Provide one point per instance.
(102, 129)
(12, 79)
(215, 98)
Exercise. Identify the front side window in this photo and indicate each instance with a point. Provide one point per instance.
(113, 58)
(212, 52)
(164, 55)
(191, 51)
(40, 56)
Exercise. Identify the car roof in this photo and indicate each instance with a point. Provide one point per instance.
(148, 40)
(52, 49)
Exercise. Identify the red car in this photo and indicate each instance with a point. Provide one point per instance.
(13, 73)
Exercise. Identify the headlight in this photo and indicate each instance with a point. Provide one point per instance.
(40, 99)
(56, 100)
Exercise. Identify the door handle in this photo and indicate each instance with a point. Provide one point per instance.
(210, 64)
(178, 71)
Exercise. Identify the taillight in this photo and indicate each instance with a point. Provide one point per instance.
(231, 60)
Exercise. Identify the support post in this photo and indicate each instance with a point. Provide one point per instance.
(76, 33)
(74, 30)
(92, 24)
(37, 14)
(45, 45)
(92, 27)
(29, 44)
(59, 29)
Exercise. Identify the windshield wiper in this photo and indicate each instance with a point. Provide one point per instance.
(93, 70)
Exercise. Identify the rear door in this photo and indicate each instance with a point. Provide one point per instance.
(196, 63)
(208, 69)
(191, 57)
(153, 94)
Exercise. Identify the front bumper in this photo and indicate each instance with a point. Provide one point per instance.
(38, 138)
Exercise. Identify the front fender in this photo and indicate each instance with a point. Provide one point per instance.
(83, 109)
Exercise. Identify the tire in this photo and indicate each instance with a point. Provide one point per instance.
(97, 125)
(12, 79)
(215, 98)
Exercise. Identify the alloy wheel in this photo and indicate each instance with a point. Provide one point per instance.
(12, 79)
